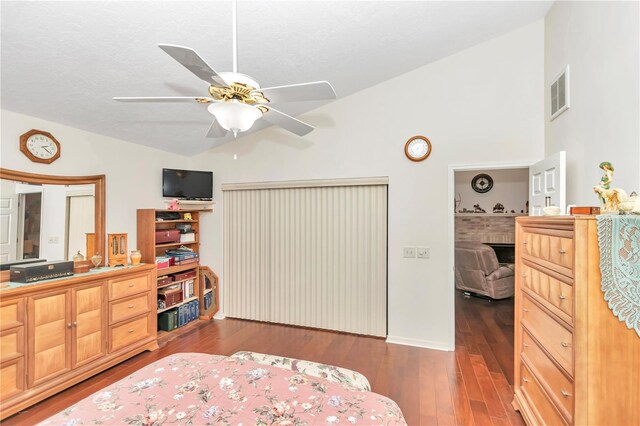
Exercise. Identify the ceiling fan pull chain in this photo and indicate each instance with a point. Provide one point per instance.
(235, 35)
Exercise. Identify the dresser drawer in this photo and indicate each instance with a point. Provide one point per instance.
(11, 314)
(554, 251)
(11, 343)
(129, 332)
(550, 333)
(557, 293)
(11, 378)
(557, 385)
(128, 308)
(128, 287)
(543, 407)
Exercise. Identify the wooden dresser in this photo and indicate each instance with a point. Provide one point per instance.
(57, 333)
(575, 363)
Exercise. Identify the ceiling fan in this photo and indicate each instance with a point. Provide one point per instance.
(236, 100)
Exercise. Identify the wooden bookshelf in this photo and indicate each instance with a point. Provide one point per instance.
(209, 284)
(177, 268)
(170, 245)
(150, 248)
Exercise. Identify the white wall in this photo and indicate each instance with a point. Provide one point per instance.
(133, 172)
(510, 188)
(600, 42)
(482, 105)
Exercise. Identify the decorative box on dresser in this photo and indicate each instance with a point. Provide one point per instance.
(56, 333)
(575, 362)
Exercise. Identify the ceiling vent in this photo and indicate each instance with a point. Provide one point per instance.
(560, 94)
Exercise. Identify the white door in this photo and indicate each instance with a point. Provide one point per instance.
(8, 221)
(81, 218)
(547, 178)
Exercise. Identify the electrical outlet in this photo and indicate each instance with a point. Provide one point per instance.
(54, 240)
(424, 252)
(409, 252)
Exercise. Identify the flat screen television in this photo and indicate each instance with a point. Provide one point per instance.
(187, 184)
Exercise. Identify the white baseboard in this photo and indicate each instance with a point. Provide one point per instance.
(219, 316)
(419, 343)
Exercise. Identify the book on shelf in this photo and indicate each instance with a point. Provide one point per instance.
(181, 317)
(168, 320)
(187, 237)
(188, 289)
(182, 256)
(194, 311)
(187, 262)
(207, 300)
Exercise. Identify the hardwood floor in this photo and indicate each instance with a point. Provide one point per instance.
(472, 385)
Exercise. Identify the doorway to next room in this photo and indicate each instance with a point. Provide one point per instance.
(487, 202)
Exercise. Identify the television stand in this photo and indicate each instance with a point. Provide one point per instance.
(194, 204)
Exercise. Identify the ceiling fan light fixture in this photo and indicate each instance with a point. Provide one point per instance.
(235, 116)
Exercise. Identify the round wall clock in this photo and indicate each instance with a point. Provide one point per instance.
(417, 148)
(482, 183)
(40, 146)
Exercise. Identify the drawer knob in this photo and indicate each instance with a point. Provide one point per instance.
(524, 275)
(131, 285)
(564, 344)
(526, 310)
(563, 297)
(524, 242)
(562, 251)
(75, 323)
(69, 325)
(565, 393)
(526, 345)
(525, 380)
(131, 330)
(130, 306)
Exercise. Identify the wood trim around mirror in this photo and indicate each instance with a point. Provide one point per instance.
(100, 196)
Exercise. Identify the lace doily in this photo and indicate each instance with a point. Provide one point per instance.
(619, 242)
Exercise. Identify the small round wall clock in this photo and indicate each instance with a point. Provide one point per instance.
(417, 148)
(482, 183)
(40, 146)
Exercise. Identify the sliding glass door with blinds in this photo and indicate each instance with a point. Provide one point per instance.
(308, 253)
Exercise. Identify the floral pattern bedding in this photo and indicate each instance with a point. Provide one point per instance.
(201, 389)
(350, 378)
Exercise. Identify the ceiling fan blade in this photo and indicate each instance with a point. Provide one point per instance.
(194, 63)
(164, 99)
(287, 122)
(216, 130)
(316, 91)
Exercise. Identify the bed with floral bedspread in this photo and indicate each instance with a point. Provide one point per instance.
(245, 388)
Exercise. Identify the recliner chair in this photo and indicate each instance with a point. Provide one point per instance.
(478, 271)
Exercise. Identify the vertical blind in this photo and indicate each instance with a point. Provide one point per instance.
(308, 253)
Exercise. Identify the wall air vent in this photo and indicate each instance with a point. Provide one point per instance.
(560, 94)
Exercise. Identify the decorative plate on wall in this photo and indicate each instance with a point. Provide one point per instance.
(482, 183)
(417, 148)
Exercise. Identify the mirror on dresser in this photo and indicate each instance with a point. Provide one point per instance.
(50, 217)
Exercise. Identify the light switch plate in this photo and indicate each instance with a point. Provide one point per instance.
(54, 240)
(424, 252)
(409, 252)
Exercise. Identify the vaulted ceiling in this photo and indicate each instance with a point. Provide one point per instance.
(64, 61)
